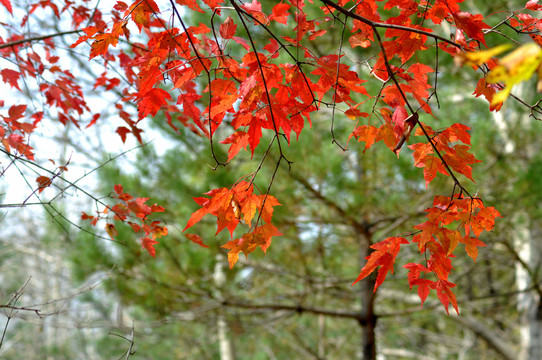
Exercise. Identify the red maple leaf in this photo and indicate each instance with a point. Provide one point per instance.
(238, 141)
(43, 182)
(148, 244)
(255, 9)
(383, 257)
(249, 207)
(533, 5)
(227, 28)
(152, 101)
(471, 246)
(267, 211)
(139, 208)
(398, 119)
(101, 44)
(192, 4)
(359, 39)
(11, 77)
(472, 25)
(367, 134)
(431, 165)
(424, 285)
(484, 220)
(141, 11)
(7, 5)
(446, 295)
(15, 113)
(280, 13)
(260, 237)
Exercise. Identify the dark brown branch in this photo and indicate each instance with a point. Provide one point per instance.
(37, 38)
(21, 308)
(388, 26)
(282, 46)
(335, 91)
(208, 73)
(298, 309)
(260, 68)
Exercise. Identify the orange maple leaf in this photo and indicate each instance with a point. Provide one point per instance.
(383, 257)
(152, 101)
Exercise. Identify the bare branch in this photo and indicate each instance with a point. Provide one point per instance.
(37, 38)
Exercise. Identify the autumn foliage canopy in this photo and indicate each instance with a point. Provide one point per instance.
(249, 70)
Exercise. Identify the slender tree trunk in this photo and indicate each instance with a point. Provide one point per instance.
(225, 344)
(226, 351)
(525, 246)
(527, 236)
(368, 338)
(529, 304)
(321, 336)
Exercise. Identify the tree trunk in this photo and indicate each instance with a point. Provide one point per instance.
(529, 304)
(526, 248)
(225, 345)
(368, 339)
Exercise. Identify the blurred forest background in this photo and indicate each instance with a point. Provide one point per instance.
(97, 299)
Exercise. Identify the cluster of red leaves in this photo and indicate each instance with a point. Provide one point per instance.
(526, 23)
(233, 206)
(523, 23)
(435, 236)
(448, 143)
(61, 91)
(251, 88)
(134, 212)
(13, 132)
(450, 222)
(65, 98)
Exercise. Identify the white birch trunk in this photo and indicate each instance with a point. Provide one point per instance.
(225, 344)
(528, 300)
(526, 238)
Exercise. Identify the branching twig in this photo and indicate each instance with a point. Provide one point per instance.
(130, 351)
(13, 309)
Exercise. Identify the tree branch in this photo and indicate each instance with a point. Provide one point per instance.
(362, 227)
(492, 339)
(388, 26)
(37, 38)
(297, 308)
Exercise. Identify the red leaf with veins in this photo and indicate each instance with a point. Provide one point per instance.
(238, 141)
(383, 257)
(152, 101)
(11, 77)
(227, 28)
(398, 118)
(367, 134)
(472, 25)
(280, 13)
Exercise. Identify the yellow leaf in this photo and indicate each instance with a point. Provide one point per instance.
(514, 68)
(479, 57)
